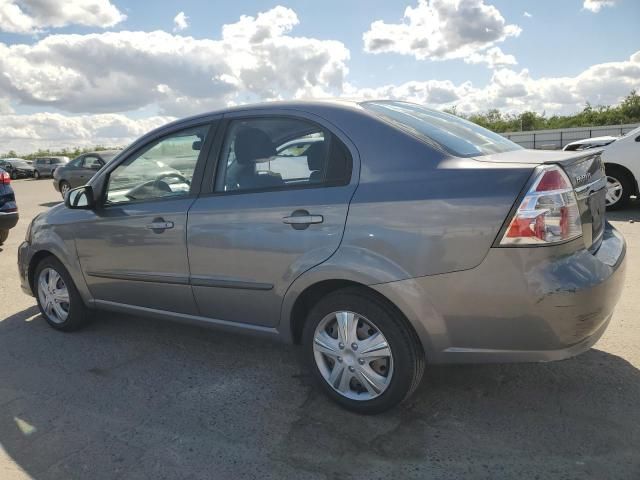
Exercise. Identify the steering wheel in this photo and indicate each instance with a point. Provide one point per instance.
(160, 184)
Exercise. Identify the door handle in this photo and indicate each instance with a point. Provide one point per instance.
(301, 219)
(159, 225)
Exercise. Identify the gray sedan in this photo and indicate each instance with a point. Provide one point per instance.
(381, 236)
(80, 170)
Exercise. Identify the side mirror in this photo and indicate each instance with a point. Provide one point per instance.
(80, 198)
(197, 145)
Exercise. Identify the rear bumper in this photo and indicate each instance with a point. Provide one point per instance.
(8, 220)
(519, 304)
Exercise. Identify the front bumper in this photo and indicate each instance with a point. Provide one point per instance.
(519, 304)
(24, 259)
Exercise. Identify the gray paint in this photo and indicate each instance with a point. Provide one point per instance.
(415, 224)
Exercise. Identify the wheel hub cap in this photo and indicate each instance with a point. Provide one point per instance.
(353, 355)
(614, 191)
(53, 295)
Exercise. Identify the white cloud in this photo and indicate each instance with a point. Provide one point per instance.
(516, 91)
(493, 57)
(180, 22)
(32, 16)
(256, 58)
(441, 29)
(27, 133)
(527, 14)
(596, 5)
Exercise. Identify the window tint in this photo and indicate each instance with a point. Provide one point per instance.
(76, 162)
(458, 136)
(163, 169)
(266, 153)
(92, 162)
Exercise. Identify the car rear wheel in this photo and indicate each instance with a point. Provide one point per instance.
(64, 188)
(36, 174)
(619, 188)
(58, 299)
(361, 351)
(4, 234)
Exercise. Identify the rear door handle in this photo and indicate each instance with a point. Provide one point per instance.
(301, 219)
(159, 225)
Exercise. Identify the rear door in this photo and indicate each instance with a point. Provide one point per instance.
(90, 165)
(277, 208)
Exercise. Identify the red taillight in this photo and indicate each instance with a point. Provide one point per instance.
(5, 179)
(552, 180)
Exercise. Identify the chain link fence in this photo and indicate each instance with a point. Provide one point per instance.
(557, 139)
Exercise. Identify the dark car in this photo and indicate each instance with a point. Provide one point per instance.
(80, 170)
(8, 206)
(16, 168)
(45, 166)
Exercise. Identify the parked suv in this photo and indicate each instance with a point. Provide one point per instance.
(382, 236)
(45, 166)
(80, 170)
(8, 206)
(16, 168)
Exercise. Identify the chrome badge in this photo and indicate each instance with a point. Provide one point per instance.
(583, 178)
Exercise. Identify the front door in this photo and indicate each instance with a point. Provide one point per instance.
(133, 249)
(278, 208)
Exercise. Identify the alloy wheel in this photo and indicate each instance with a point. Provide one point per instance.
(53, 295)
(64, 188)
(353, 355)
(614, 191)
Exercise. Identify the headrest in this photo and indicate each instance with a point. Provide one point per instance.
(315, 156)
(252, 144)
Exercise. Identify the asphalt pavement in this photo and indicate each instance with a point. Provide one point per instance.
(134, 398)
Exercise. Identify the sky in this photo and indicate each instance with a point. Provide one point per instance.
(103, 72)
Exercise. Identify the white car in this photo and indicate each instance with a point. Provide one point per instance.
(622, 164)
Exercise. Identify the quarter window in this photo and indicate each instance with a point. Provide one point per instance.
(163, 169)
(277, 153)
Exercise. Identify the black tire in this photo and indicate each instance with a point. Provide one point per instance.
(627, 186)
(77, 311)
(63, 184)
(408, 355)
(13, 175)
(36, 174)
(4, 234)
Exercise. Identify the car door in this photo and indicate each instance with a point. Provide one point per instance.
(71, 172)
(90, 165)
(273, 213)
(133, 248)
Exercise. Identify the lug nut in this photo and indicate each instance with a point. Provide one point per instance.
(354, 346)
(361, 361)
(352, 369)
(341, 345)
(340, 359)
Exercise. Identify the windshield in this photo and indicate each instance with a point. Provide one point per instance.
(457, 136)
(19, 163)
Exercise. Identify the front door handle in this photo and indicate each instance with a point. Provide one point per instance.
(301, 219)
(159, 225)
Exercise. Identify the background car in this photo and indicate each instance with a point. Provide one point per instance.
(622, 165)
(16, 167)
(8, 206)
(588, 143)
(80, 170)
(45, 166)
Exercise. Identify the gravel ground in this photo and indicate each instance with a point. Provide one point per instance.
(136, 398)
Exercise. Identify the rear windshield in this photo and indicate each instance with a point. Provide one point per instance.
(457, 136)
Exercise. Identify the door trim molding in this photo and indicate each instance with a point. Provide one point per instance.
(204, 281)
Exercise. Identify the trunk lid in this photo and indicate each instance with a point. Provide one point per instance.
(586, 172)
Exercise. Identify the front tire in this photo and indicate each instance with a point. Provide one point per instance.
(619, 188)
(13, 175)
(58, 299)
(4, 234)
(36, 175)
(362, 352)
(64, 188)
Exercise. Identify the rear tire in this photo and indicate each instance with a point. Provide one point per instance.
(58, 298)
(4, 234)
(380, 362)
(619, 187)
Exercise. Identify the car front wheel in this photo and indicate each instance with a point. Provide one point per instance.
(36, 174)
(13, 175)
(58, 299)
(64, 188)
(362, 352)
(4, 234)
